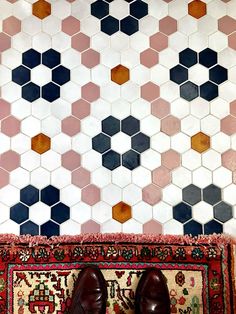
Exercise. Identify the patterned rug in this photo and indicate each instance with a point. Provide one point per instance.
(37, 275)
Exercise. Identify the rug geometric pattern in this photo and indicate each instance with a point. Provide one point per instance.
(40, 277)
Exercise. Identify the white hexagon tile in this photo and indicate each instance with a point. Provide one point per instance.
(118, 116)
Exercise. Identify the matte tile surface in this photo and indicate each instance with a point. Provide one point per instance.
(117, 116)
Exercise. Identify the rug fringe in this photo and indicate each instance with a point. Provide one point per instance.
(117, 238)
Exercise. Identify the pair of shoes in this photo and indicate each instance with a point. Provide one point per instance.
(90, 294)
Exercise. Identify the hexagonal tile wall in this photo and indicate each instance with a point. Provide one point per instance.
(118, 116)
(119, 15)
(192, 76)
(121, 143)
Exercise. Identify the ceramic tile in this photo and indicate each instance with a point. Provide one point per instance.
(105, 103)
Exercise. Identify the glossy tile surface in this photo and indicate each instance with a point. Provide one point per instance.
(117, 116)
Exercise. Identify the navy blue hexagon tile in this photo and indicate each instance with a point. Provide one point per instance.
(29, 227)
(49, 229)
(128, 24)
(50, 195)
(51, 59)
(217, 74)
(129, 126)
(19, 213)
(111, 160)
(110, 125)
(29, 197)
(211, 196)
(182, 212)
(31, 58)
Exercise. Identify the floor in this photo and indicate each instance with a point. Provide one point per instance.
(117, 116)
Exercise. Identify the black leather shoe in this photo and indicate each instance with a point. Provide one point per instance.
(90, 292)
(152, 295)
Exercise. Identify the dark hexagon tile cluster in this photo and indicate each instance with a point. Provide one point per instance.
(128, 25)
(192, 195)
(50, 196)
(207, 58)
(139, 143)
(30, 60)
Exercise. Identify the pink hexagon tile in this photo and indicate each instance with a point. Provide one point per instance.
(115, 126)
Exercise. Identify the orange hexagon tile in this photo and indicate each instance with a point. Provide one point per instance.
(40, 143)
(121, 212)
(41, 9)
(200, 142)
(120, 74)
(197, 9)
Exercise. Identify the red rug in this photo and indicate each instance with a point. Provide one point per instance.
(37, 274)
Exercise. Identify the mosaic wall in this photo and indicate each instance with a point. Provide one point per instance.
(117, 116)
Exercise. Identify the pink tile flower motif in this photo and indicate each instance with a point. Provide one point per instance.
(70, 126)
(70, 25)
(10, 160)
(90, 92)
(151, 194)
(90, 194)
(81, 109)
(70, 160)
(11, 26)
(10, 126)
(150, 91)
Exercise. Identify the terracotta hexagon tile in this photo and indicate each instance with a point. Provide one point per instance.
(229, 159)
(200, 142)
(70, 126)
(9, 160)
(11, 25)
(152, 227)
(90, 227)
(70, 25)
(159, 41)
(121, 212)
(149, 58)
(5, 42)
(41, 9)
(80, 177)
(5, 109)
(161, 176)
(40, 143)
(233, 108)
(151, 194)
(81, 109)
(227, 25)
(120, 74)
(90, 194)
(90, 58)
(197, 9)
(170, 159)
(70, 160)
(170, 125)
(150, 91)
(10, 126)
(228, 125)
(168, 25)
(160, 108)
(80, 42)
(4, 178)
(90, 92)
(232, 41)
